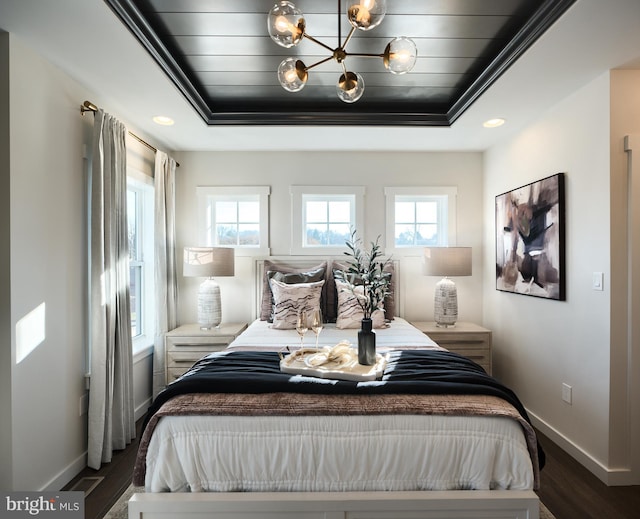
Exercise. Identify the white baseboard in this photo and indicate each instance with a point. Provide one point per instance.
(610, 477)
(67, 474)
(142, 408)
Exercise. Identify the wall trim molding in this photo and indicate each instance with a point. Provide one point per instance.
(67, 474)
(609, 476)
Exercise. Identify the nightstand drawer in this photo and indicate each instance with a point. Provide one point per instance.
(174, 373)
(474, 354)
(199, 343)
(187, 344)
(468, 339)
(179, 358)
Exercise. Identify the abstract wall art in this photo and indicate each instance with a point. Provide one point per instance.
(530, 242)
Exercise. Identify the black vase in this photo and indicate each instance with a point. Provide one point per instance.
(367, 343)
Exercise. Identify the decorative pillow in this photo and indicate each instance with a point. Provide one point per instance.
(291, 278)
(266, 305)
(291, 299)
(331, 311)
(350, 313)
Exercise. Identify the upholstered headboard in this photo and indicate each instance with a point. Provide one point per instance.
(308, 263)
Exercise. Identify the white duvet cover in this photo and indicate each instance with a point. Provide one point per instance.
(400, 334)
(337, 453)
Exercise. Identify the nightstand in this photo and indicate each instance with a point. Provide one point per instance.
(186, 344)
(467, 339)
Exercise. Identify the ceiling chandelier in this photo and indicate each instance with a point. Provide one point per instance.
(287, 28)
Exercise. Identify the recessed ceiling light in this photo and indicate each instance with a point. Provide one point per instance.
(493, 123)
(163, 120)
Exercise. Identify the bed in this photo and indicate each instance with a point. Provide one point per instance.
(288, 446)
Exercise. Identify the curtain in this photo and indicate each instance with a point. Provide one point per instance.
(111, 408)
(165, 262)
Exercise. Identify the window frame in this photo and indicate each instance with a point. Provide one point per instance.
(238, 194)
(415, 194)
(299, 195)
(144, 186)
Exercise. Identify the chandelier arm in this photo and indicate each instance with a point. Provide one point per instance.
(318, 63)
(361, 55)
(339, 26)
(346, 40)
(317, 42)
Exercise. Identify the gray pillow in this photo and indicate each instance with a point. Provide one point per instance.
(310, 274)
(331, 304)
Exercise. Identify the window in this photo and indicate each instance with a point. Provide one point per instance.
(134, 233)
(234, 217)
(420, 217)
(237, 222)
(140, 235)
(323, 216)
(327, 219)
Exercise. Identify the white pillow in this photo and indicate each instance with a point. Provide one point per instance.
(290, 299)
(350, 313)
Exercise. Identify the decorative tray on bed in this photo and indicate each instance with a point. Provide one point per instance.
(338, 362)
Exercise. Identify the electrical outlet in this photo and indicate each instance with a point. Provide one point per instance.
(566, 393)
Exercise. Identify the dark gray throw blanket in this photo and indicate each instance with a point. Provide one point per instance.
(415, 372)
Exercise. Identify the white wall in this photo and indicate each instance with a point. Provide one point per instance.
(43, 438)
(47, 243)
(6, 458)
(540, 344)
(373, 170)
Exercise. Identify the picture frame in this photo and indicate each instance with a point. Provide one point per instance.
(530, 239)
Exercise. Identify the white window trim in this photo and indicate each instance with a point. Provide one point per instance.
(297, 216)
(233, 193)
(390, 194)
(142, 182)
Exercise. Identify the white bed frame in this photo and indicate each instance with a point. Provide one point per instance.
(451, 504)
(455, 504)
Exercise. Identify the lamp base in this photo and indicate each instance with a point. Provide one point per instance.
(445, 311)
(209, 307)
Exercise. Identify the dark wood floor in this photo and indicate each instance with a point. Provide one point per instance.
(570, 491)
(117, 478)
(567, 488)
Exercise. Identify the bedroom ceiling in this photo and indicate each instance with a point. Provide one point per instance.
(89, 44)
(219, 55)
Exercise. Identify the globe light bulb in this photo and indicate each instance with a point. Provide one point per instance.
(286, 24)
(350, 87)
(292, 75)
(400, 55)
(366, 14)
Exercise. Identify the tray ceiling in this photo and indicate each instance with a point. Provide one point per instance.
(220, 56)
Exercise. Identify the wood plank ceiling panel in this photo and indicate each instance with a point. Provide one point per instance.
(219, 54)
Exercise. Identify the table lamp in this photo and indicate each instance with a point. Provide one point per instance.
(447, 262)
(208, 262)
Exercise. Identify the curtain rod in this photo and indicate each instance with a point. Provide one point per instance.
(88, 106)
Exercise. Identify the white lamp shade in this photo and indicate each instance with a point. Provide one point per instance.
(447, 261)
(207, 262)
